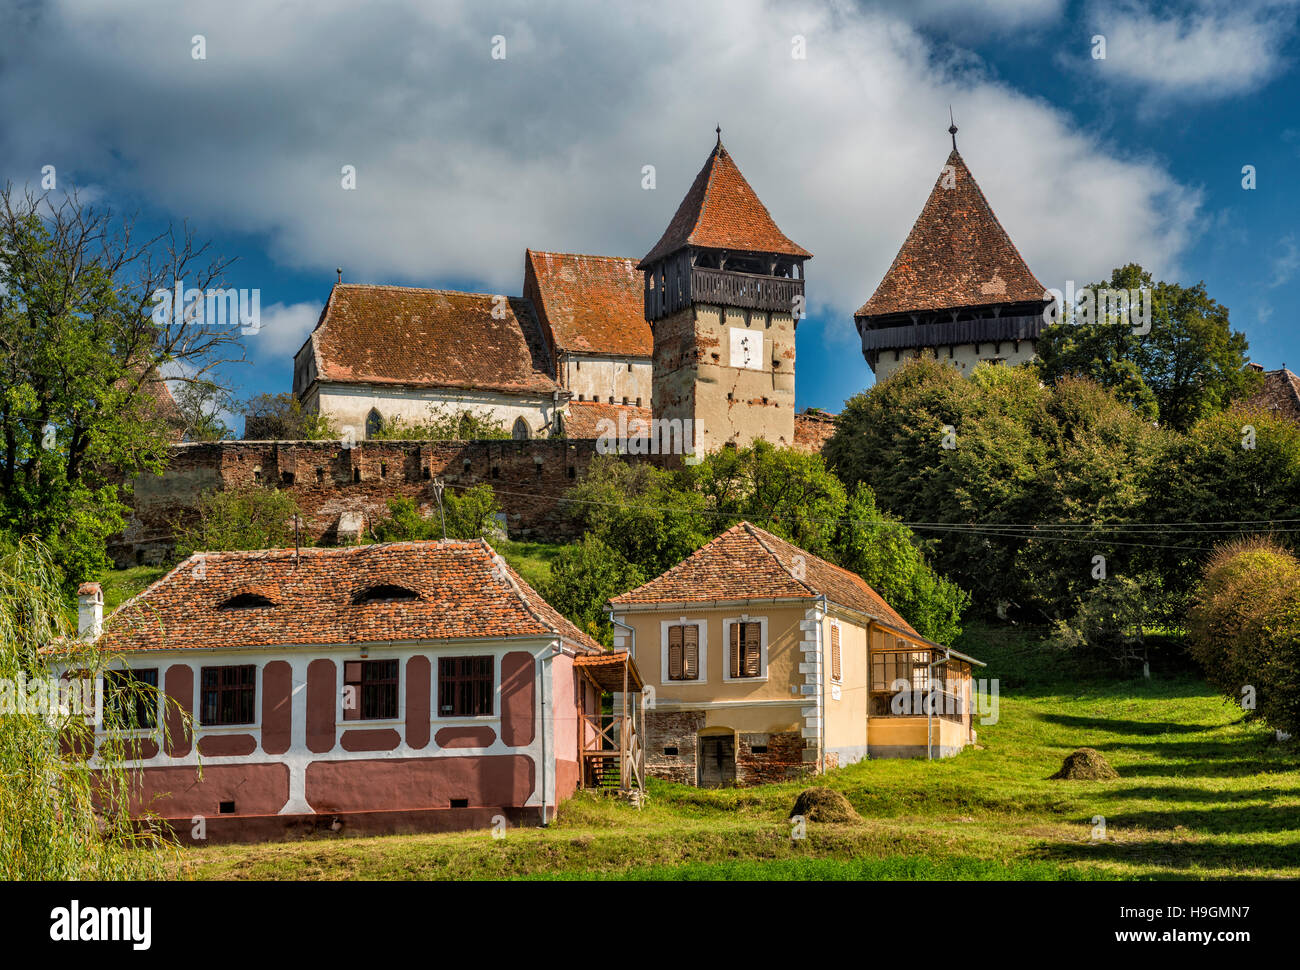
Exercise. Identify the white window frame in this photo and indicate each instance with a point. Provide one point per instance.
(726, 649)
(703, 626)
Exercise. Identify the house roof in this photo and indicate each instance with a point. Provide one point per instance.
(584, 417)
(957, 255)
(464, 591)
(1280, 394)
(721, 211)
(590, 304)
(746, 562)
(434, 338)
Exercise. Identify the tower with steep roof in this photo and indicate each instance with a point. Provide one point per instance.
(958, 288)
(724, 291)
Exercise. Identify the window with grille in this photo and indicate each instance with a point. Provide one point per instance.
(369, 689)
(746, 649)
(836, 670)
(464, 686)
(131, 698)
(888, 666)
(228, 694)
(684, 652)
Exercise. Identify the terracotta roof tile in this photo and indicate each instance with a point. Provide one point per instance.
(746, 562)
(584, 417)
(956, 255)
(432, 338)
(590, 304)
(721, 211)
(463, 591)
(1280, 394)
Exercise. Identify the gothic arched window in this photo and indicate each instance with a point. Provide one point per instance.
(521, 431)
(374, 423)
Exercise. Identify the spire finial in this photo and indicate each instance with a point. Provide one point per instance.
(719, 131)
(952, 128)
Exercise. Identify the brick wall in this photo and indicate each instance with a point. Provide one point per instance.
(782, 759)
(340, 487)
(676, 729)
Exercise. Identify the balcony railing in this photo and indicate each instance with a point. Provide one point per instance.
(748, 290)
(918, 703)
(988, 330)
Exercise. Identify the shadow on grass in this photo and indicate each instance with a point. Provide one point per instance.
(1175, 793)
(1212, 821)
(1141, 728)
(1177, 860)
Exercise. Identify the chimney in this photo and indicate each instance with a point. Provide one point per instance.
(1258, 368)
(90, 611)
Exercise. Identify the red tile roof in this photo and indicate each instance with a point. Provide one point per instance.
(590, 304)
(464, 591)
(584, 419)
(1280, 394)
(431, 338)
(957, 255)
(721, 211)
(746, 562)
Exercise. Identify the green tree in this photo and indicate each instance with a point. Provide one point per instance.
(79, 357)
(1191, 364)
(201, 405)
(583, 579)
(59, 819)
(240, 518)
(469, 514)
(280, 417)
(443, 424)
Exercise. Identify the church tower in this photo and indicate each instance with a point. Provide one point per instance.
(723, 295)
(958, 288)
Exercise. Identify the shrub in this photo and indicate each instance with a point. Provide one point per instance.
(1244, 628)
(470, 514)
(252, 517)
(583, 578)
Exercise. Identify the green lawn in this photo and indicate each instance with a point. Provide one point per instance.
(531, 560)
(1201, 794)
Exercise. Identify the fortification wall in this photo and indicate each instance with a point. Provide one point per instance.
(342, 490)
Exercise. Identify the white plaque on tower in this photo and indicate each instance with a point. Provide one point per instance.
(746, 349)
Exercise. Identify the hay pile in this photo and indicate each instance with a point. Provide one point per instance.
(1086, 764)
(824, 805)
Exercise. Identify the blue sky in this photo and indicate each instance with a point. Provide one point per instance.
(463, 160)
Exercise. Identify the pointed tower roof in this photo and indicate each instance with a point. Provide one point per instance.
(721, 211)
(957, 254)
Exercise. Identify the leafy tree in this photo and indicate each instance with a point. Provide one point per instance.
(893, 563)
(253, 517)
(280, 417)
(790, 493)
(583, 578)
(59, 820)
(1244, 628)
(640, 511)
(79, 355)
(1110, 621)
(1191, 364)
(201, 405)
(469, 514)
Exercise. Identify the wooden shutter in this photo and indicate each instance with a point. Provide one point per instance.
(691, 652)
(675, 652)
(753, 649)
(835, 652)
(735, 650)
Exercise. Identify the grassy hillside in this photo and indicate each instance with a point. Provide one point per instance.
(1200, 794)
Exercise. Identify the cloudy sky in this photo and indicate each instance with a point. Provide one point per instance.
(463, 159)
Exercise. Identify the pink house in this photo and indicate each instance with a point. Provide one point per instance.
(383, 688)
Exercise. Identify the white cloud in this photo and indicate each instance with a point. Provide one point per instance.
(1206, 51)
(463, 161)
(283, 330)
(1287, 262)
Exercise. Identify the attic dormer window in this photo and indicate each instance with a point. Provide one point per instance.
(247, 601)
(385, 593)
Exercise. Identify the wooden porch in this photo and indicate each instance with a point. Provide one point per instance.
(612, 755)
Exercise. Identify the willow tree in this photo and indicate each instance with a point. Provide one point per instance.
(60, 816)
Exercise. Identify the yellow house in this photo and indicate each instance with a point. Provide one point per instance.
(762, 662)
